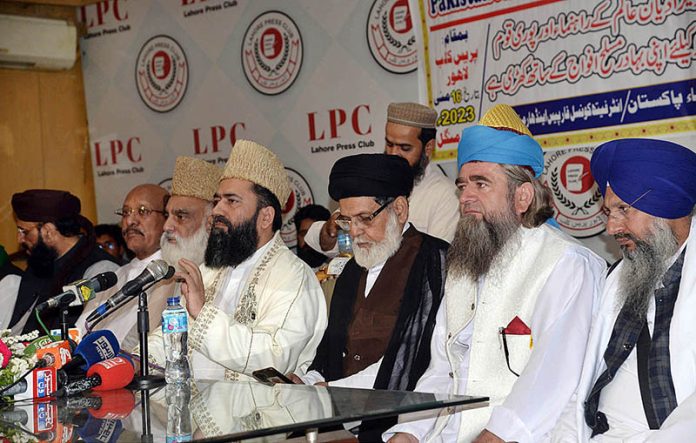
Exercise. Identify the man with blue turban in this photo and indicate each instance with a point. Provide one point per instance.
(518, 297)
(639, 377)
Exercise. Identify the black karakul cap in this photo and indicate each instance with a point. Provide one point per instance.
(45, 205)
(370, 175)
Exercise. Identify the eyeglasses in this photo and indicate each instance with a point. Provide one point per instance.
(142, 211)
(360, 221)
(621, 212)
(23, 232)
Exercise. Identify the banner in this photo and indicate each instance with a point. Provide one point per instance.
(311, 80)
(578, 72)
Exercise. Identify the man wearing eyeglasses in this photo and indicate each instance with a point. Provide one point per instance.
(410, 134)
(61, 247)
(518, 303)
(639, 376)
(142, 223)
(385, 300)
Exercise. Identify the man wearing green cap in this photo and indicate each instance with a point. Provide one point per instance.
(518, 297)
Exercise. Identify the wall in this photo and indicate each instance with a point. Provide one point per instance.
(43, 131)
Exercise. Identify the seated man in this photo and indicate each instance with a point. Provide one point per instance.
(142, 221)
(385, 300)
(639, 378)
(110, 239)
(253, 304)
(61, 247)
(518, 301)
(303, 219)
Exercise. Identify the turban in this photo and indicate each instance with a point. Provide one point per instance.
(255, 163)
(655, 176)
(45, 205)
(195, 178)
(500, 137)
(412, 114)
(370, 175)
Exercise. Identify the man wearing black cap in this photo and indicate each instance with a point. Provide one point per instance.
(61, 247)
(391, 289)
(639, 377)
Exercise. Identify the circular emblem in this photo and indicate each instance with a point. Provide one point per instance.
(161, 73)
(576, 197)
(166, 184)
(300, 196)
(390, 36)
(272, 53)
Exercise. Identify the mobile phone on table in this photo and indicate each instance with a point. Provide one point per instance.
(270, 376)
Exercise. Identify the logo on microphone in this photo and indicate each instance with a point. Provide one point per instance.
(103, 348)
(390, 36)
(161, 73)
(272, 53)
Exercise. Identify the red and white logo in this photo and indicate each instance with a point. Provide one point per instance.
(577, 199)
(300, 196)
(161, 73)
(390, 36)
(272, 53)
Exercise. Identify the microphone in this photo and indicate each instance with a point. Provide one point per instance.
(112, 405)
(94, 347)
(114, 373)
(79, 291)
(55, 355)
(155, 271)
(100, 431)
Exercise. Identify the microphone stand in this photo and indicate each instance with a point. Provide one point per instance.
(146, 435)
(144, 380)
(63, 308)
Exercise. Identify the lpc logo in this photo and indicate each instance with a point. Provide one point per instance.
(390, 36)
(272, 53)
(161, 73)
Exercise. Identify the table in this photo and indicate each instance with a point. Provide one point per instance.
(226, 411)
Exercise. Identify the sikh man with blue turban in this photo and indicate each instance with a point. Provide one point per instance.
(639, 377)
(518, 297)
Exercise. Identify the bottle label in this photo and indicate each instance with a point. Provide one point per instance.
(179, 438)
(175, 322)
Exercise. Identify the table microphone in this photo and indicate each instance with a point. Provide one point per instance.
(114, 373)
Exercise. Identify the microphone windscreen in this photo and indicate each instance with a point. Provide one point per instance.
(115, 373)
(170, 273)
(97, 346)
(106, 280)
(115, 404)
(100, 431)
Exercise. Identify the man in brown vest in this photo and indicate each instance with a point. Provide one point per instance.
(383, 307)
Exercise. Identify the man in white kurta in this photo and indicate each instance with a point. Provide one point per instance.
(518, 297)
(409, 133)
(649, 189)
(254, 304)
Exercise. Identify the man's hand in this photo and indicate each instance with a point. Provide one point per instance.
(487, 436)
(191, 286)
(402, 437)
(329, 232)
(294, 378)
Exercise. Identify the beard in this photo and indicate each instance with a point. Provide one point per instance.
(477, 243)
(191, 248)
(310, 256)
(42, 259)
(232, 247)
(379, 252)
(419, 168)
(644, 267)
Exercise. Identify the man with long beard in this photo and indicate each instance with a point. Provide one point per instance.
(385, 300)
(410, 134)
(254, 303)
(639, 377)
(61, 247)
(142, 222)
(518, 297)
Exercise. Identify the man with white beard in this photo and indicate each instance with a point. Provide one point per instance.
(188, 210)
(385, 300)
(639, 376)
(518, 298)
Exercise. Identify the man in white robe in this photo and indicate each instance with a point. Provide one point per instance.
(253, 304)
(410, 134)
(639, 377)
(518, 297)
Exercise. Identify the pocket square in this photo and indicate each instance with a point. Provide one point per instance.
(517, 327)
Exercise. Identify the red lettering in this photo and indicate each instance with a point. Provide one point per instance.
(337, 117)
(355, 120)
(130, 146)
(116, 150)
(197, 142)
(117, 13)
(218, 134)
(98, 156)
(102, 9)
(233, 131)
(313, 128)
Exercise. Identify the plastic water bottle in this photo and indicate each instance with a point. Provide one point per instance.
(345, 244)
(175, 335)
(178, 413)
